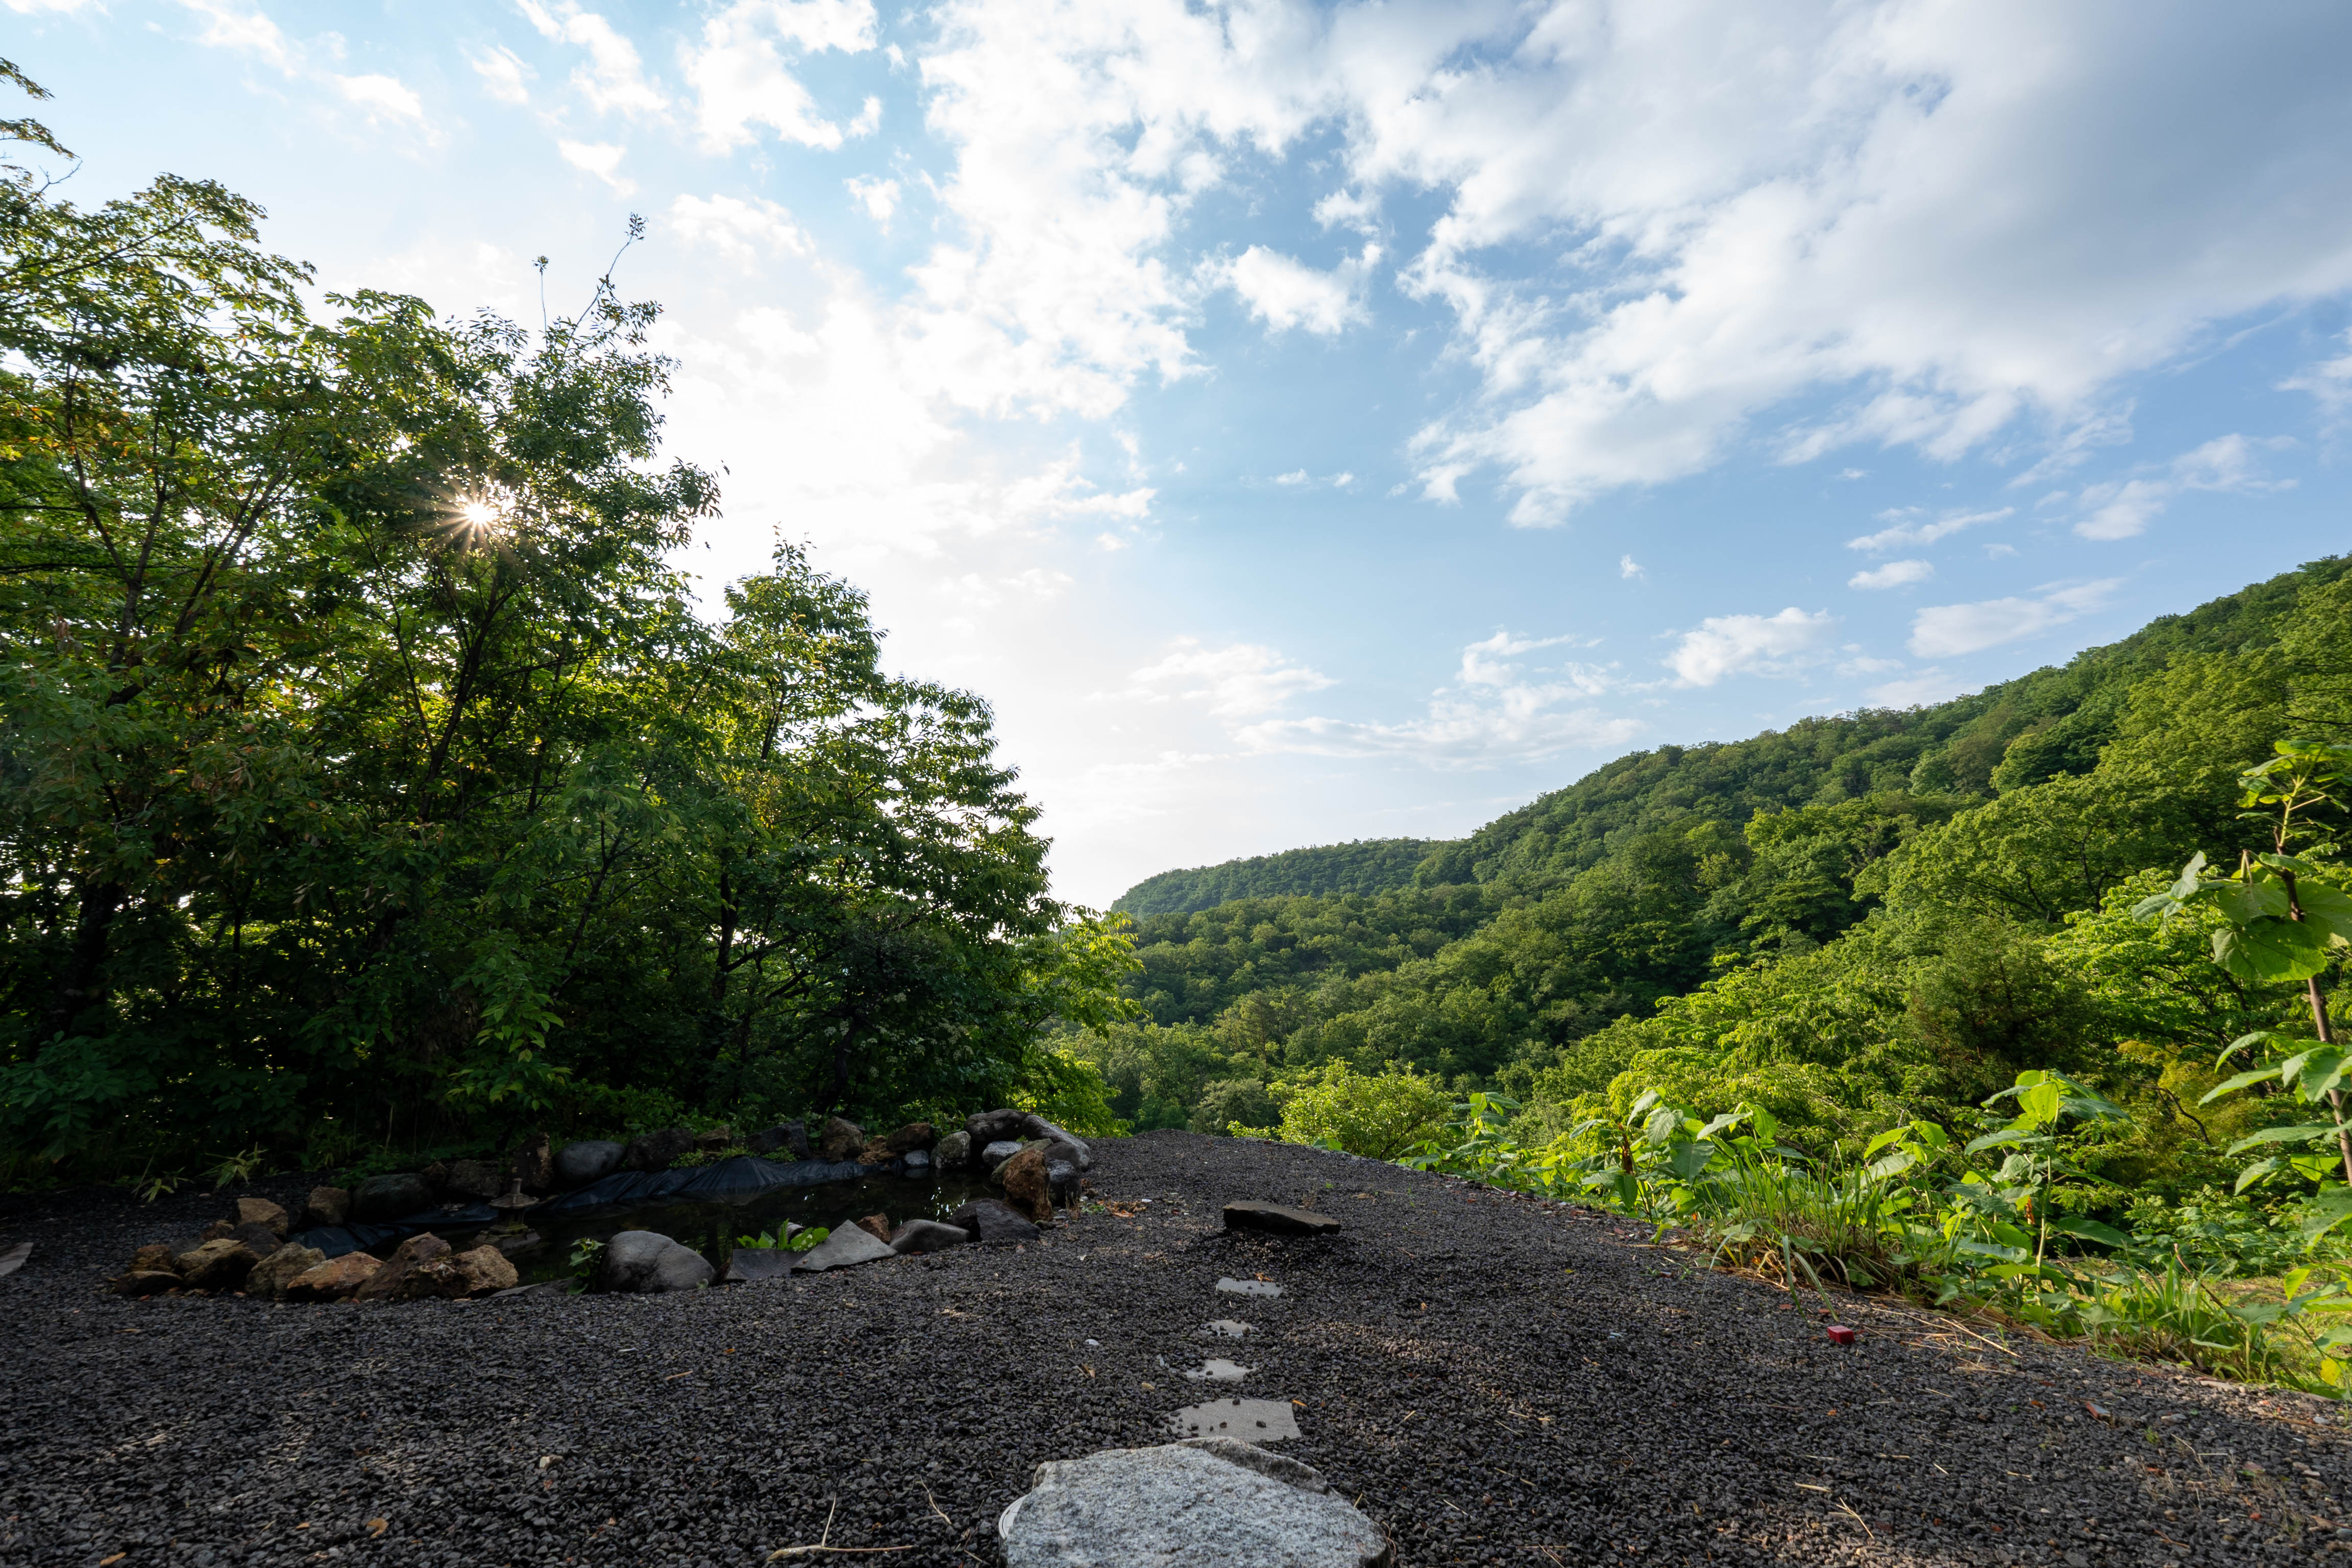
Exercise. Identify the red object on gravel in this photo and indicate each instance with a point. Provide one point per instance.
(1841, 1334)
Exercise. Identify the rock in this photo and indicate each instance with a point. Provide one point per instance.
(1062, 1180)
(927, 1235)
(215, 1231)
(145, 1282)
(261, 1211)
(334, 1280)
(271, 1276)
(544, 1288)
(757, 1265)
(325, 1208)
(986, 1127)
(919, 1162)
(1164, 1507)
(436, 1181)
(985, 1219)
(657, 1150)
(1226, 1329)
(1026, 1190)
(647, 1263)
(993, 1155)
(1233, 1286)
(517, 1245)
(1252, 1420)
(475, 1181)
(590, 1160)
(840, 1139)
(876, 1152)
(877, 1227)
(485, 1269)
(535, 1163)
(952, 1152)
(784, 1138)
(393, 1282)
(1277, 1219)
(712, 1138)
(220, 1264)
(261, 1237)
(846, 1247)
(907, 1139)
(1216, 1368)
(154, 1256)
(381, 1198)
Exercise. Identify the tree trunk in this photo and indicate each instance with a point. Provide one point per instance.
(83, 981)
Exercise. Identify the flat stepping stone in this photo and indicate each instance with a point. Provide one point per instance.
(1227, 1328)
(847, 1246)
(757, 1265)
(1251, 1420)
(1216, 1369)
(1249, 1287)
(13, 1259)
(1180, 1505)
(1277, 1219)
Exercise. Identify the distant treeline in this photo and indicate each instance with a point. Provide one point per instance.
(1363, 866)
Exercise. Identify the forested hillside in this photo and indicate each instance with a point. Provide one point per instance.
(1856, 919)
(1363, 866)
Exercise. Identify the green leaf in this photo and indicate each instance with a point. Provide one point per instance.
(2270, 951)
(2006, 1135)
(2261, 1170)
(2295, 1135)
(2331, 1208)
(2246, 903)
(2320, 1072)
(2090, 1231)
(2231, 1086)
(2329, 908)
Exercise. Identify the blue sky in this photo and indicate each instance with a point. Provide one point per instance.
(1314, 422)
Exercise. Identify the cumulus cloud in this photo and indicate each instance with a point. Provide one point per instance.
(248, 30)
(1629, 568)
(1894, 575)
(2329, 381)
(1238, 681)
(504, 75)
(1946, 630)
(602, 159)
(1923, 689)
(878, 197)
(381, 97)
(742, 78)
(1285, 293)
(1907, 528)
(747, 232)
(2124, 508)
(1750, 645)
(612, 80)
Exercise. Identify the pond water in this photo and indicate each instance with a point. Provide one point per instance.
(710, 1227)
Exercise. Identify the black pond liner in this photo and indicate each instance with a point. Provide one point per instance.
(706, 1206)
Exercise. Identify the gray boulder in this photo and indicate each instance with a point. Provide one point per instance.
(840, 1139)
(919, 1162)
(757, 1265)
(1062, 1181)
(658, 1151)
(928, 1236)
(847, 1246)
(993, 1155)
(262, 1238)
(647, 1263)
(953, 1152)
(786, 1138)
(986, 1127)
(326, 1205)
(1157, 1507)
(590, 1160)
(985, 1219)
(475, 1181)
(382, 1198)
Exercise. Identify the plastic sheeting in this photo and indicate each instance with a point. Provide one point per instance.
(744, 1177)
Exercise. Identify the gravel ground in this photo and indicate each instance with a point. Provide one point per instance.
(1492, 1379)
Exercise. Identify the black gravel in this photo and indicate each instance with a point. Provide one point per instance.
(1493, 1380)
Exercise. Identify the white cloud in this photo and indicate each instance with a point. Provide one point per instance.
(2124, 508)
(749, 232)
(1629, 568)
(1894, 575)
(602, 159)
(878, 197)
(2329, 381)
(1907, 531)
(1750, 645)
(740, 79)
(504, 75)
(1769, 202)
(382, 96)
(1285, 293)
(1239, 680)
(612, 80)
(1945, 630)
(247, 30)
(1923, 689)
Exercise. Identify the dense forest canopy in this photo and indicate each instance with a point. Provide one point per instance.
(1361, 866)
(1854, 921)
(367, 772)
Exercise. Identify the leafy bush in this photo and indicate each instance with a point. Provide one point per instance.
(1382, 1115)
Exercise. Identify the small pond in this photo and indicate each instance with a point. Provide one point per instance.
(711, 1225)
